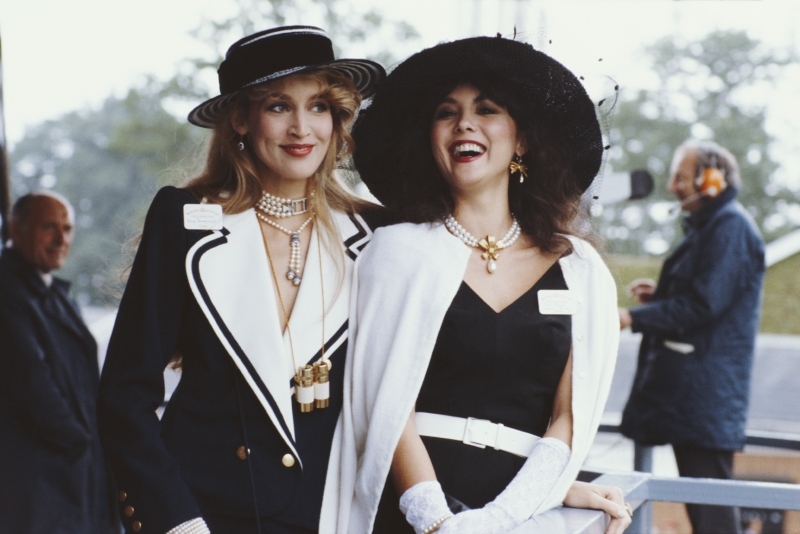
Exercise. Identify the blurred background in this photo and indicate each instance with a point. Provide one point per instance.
(95, 95)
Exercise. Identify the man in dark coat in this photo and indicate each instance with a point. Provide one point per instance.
(52, 473)
(699, 323)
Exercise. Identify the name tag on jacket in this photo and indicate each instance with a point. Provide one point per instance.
(202, 216)
(557, 302)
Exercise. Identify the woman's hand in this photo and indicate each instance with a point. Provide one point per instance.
(609, 499)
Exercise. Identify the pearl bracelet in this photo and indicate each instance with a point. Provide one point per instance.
(193, 526)
(437, 524)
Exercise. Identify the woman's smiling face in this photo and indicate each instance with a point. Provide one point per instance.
(289, 132)
(473, 138)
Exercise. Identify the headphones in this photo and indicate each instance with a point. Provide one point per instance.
(711, 180)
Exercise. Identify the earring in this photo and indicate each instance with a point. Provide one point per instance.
(516, 165)
(240, 144)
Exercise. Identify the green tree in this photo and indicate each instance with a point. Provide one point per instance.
(705, 90)
(109, 162)
(353, 32)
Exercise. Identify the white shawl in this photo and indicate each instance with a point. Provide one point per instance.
(405, 282)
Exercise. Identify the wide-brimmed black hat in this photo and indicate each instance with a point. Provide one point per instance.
(272, 54)
(557, 95)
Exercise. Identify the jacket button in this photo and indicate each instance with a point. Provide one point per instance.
(580, 337)
(242, 452)
(582, 375)
(122, 496)
(136, 526)
(128, 511)
(287, 460)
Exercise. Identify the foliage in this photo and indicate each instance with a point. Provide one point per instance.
(366, 31)
(108, 163)
(706, 91)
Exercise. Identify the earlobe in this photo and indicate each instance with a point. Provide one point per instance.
(238, 125)
(521, 148)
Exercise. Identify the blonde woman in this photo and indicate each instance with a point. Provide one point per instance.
(244, 276)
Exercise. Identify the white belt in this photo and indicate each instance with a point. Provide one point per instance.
(476, 432)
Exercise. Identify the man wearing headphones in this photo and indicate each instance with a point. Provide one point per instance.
(699, 325)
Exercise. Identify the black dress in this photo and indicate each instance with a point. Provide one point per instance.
(504, 367)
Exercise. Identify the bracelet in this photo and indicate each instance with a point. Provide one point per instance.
(438, 523)
(193, 526)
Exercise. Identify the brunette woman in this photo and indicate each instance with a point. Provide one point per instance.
(485, 316)
(243, 276)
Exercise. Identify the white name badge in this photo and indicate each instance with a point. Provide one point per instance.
(557, 302)
(202, 216)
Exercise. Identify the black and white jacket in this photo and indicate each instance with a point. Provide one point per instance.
(231, 440)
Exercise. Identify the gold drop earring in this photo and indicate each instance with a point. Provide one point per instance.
(516, 165)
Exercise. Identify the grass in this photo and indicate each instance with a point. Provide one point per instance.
(781, 310)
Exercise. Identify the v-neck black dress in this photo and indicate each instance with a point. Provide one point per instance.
(502, 366)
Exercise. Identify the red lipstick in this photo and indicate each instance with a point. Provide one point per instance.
(465, 150)
(298, 151)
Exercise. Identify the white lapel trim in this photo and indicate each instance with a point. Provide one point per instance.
(244, 317)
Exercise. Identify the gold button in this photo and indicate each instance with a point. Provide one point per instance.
(242, 453)
(287, 460)
(122, 496)
(136, 526)
(128, 511)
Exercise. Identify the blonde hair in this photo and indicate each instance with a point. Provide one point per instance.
(230, 179)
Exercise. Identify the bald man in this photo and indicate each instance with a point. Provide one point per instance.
(699, 326)
(52, 473)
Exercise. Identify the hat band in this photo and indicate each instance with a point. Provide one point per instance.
(258, 60)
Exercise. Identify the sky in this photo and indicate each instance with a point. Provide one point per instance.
(64, 55)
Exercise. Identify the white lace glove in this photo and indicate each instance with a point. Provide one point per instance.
(521, 497)
(424, 506)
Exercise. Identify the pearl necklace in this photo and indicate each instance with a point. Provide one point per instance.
(312, 382)
(293, 273)
(282, 207)
(489, 245)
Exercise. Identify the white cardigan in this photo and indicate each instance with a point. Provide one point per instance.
(405, 282)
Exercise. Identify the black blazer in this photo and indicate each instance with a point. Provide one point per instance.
(52, 473)
(208, 296)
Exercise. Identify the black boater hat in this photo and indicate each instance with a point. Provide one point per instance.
(559, 98)
(272, 54)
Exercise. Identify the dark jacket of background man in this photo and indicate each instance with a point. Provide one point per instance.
(700, 323)
(52, 473)
(708, 297)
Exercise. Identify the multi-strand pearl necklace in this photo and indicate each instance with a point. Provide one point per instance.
(293, 273)
(282, 207)
(488, 244)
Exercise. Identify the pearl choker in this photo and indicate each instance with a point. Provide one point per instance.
(488, 244)
(282, 207)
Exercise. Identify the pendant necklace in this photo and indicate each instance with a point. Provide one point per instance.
(311, 385)
(488, 244)
(293, 272)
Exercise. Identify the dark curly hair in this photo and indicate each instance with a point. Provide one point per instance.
(547, 204)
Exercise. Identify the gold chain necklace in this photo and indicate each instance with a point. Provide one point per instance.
(311, 382)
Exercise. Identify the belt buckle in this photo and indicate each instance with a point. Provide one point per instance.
(465, 439)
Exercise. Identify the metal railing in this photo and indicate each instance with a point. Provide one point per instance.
(641, 489)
